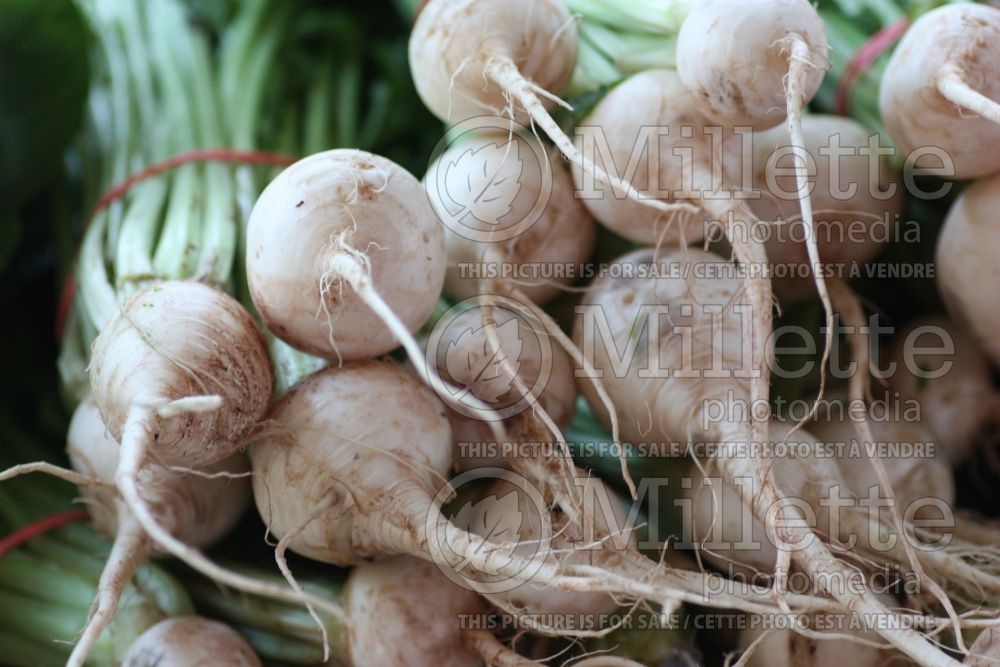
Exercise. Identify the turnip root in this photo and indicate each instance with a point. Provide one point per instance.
(736, 58)
(328, 237)
(478, 57)
(755, 63)
(940, 88)
(707, 341)
(334, 243)
(654, 98)
(967, 267)
(198, 508)
(340, 483)
(956, 406)
(190, 641)
(850, 228)
(405, 613)
(530, 218)
(466, 358)
(181, 375)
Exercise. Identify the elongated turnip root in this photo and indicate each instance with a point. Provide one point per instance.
(405, 613)
(940, 88)
(951, 381)
(181, 375)
(842, 646)
(966, 265)
(486, 185)
(705, 339)
(755, 63)
(190, 641)
(851, 227)
(198, 508)
(479, 57)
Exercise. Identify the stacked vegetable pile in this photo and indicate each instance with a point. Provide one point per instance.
(484, 307)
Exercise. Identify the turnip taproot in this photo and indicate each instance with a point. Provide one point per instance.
(198, 508)
(181, 375)
(695, 365)
(755, 63)
(940, 89)
(854, 204)
(478, 57)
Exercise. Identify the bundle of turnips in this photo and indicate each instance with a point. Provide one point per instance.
(522, 332)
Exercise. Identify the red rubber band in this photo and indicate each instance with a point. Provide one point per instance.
(119, 190)
(869, 52)
(40, 527)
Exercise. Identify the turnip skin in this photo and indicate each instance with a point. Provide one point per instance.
(351, 205)
(733, 55)
(537, 358)
(677, 404)
(320, 460)
(940, 88)
(651, 98)
(405, 613)
(958, 405)
(563, 233)
(967, 269)
(455, 41)
(173, 341)
(190, 641)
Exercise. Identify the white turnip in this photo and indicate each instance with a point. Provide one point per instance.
(198, 508)
(673, 387)
(940, 89)
(181, 375)
(190, 641)
(851, 225)
(472, 58)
